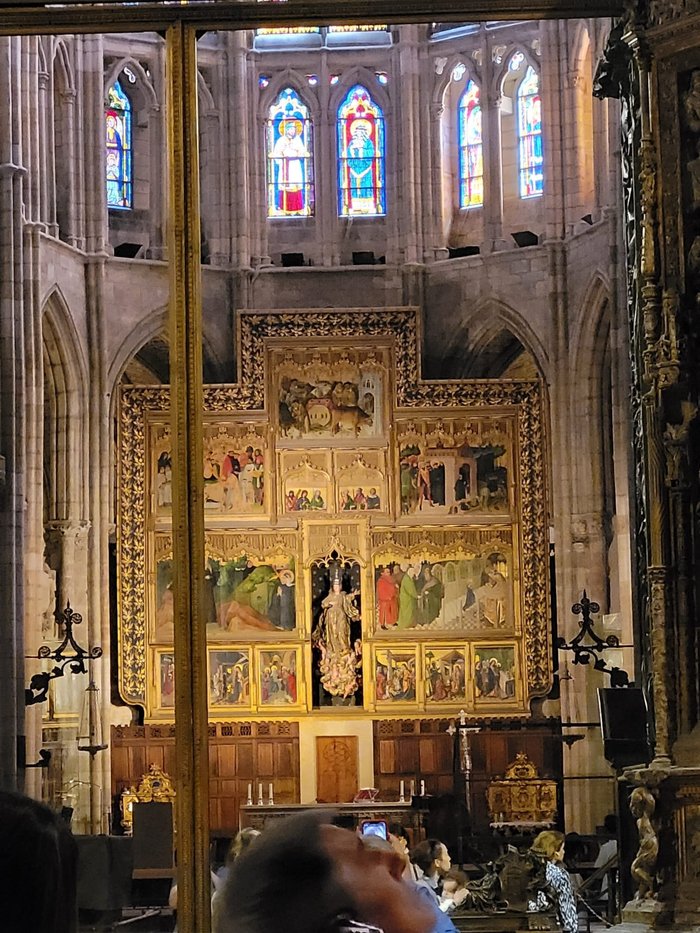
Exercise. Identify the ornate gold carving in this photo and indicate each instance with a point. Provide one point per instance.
(155, 787)
(521, 796)
(444, 415)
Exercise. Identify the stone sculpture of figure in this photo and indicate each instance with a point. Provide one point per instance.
(340, 658)
(642, 806)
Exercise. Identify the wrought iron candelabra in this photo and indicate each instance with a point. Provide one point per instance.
(69, 654)
(588, 647)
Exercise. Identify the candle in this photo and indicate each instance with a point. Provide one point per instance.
(422, 788)
(250, 794)
(260, 796)
(402, 790)
(269, 793)
(413, 788)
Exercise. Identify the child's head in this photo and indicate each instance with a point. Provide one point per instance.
(455, 880)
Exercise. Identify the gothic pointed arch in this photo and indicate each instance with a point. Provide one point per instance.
(65, 378)
(500, 342)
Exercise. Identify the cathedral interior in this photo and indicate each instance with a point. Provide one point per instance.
(348, 397)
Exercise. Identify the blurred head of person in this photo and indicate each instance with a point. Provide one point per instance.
(240, 843)
(38, 868)
(304, 875)
(549, 845)
(432, 857)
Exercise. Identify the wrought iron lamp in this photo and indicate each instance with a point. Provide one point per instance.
(68, 654)
(90, 728)
(588, 647)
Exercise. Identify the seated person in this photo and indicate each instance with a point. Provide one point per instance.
(553, 887)
(431, 861)
(455, 890)
(38, 868)
(305, 876)
(441, 922)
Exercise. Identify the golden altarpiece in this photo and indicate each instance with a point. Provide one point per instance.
(374, 542)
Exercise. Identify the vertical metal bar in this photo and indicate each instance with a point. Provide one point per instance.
(186, 400)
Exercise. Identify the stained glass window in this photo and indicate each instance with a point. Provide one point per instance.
(361, 169)
(290, 169)
(118, 145)
(471, 151)
(530, 159)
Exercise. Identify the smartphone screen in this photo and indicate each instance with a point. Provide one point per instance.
(374, 828)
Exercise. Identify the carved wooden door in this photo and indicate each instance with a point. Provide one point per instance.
(336, 768)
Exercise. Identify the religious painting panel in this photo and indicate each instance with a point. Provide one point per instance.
(444, 674)
(361, 481)
(336, 633)
(307, 487)
(229, 679)
(235, 467)
(395, 671)
(455, 467)
(496, 678)
(278, 670)
(165, 680)
(444, 581)
(330, 393)
(249, 587)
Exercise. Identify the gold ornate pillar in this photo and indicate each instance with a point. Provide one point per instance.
(186, 407)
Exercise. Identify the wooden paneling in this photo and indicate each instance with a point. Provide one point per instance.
(337, 767)
(239, 753)
(422, 750)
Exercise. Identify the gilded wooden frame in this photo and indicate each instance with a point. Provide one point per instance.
(448, 415)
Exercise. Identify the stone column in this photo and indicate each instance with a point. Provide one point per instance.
(493, 153)
(12, 420)
(407, 148)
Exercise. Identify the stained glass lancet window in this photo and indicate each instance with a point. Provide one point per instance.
(118, 144)
(471, 151)
(530, 159)
(290, 170)
(361, 161)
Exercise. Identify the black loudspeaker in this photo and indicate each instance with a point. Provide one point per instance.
(153, 836)
(292, 259)
(624, 719)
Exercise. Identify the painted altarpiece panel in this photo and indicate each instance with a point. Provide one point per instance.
(433, 581)
(229, 679)
(455, 467)
(361, 482)
(495, 677)
(307, 486)
(330, 393)
(249, 586)
(277, 678)
(444, 675)
(235, 467)
(339, 394)
(396, 677)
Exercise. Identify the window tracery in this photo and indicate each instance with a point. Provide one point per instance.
(529, 125)
(471, 157)
(119, 172)
(361, 156)
(290, 171)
